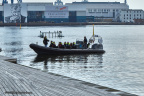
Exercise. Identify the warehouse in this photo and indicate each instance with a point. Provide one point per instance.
(70, 12)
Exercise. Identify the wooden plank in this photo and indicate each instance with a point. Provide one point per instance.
(24, 79)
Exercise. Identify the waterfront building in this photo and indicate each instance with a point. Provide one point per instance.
(131, 15)
(70, 12)
(1, 14)
(36, 11)
(96, 11)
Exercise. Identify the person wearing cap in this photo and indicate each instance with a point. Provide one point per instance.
(45, 41)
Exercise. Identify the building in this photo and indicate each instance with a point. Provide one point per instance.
(35, 11)
(131, 15)
(1, 14)
(96, 11)
(70, 12)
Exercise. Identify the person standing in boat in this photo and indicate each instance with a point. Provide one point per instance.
(85, 42)
(45, 41)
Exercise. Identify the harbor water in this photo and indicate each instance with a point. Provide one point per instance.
(121, 67)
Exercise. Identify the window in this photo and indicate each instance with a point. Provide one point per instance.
(99, 10)
(95, 10)
(104, 10)
(89, 10)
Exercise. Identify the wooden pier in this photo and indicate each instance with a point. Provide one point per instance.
(18, 80)
(51, 34)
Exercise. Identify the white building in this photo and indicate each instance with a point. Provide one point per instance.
(75, 12)
(99, 10)
(130, 14)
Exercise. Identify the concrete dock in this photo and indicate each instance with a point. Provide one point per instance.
(18, 80)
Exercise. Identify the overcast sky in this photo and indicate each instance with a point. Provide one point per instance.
(133, 4)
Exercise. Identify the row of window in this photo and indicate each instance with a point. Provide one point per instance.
(98, 10)
(133, 15)
(56, 14)
(132, 18)
(133, 11)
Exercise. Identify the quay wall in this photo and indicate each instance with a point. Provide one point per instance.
(68, 24)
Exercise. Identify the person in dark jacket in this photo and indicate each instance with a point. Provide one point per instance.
(45, 41)
(85, 42)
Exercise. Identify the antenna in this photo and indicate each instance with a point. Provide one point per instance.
(58, 2)
(12, 1)
(19, 1)
(85, 1)
(4, 2)
(125, 1)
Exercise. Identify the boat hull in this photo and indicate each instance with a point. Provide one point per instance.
(41, 50)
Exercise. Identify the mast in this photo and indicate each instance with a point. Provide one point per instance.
(125, 1)
(93, 29)
(58, 2)
(85, 1)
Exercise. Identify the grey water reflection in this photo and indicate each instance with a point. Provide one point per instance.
(70, 63)
(121, 67)
(12, 45)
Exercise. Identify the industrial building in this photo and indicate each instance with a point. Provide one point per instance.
(131, 15)
(70, 12)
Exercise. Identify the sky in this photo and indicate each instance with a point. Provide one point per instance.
(133, 4)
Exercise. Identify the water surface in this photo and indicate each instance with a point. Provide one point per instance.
(121, 67)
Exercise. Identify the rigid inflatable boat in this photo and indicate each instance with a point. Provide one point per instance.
(80, 49)
(41, 50)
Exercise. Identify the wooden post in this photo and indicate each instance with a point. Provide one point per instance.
(49, 34)
(55, 34)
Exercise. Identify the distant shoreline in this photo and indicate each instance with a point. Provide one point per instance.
(68, 24)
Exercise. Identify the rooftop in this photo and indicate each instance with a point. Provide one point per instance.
(95, 2)
(132, 10)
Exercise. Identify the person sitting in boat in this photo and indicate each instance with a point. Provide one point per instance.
(74, 45)
(88, 45)
(60, 45)
(71, 45)
(45, 41)
(65, 44)
(54, 45)
(85, 42)
(68, 45)
(51, 45)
